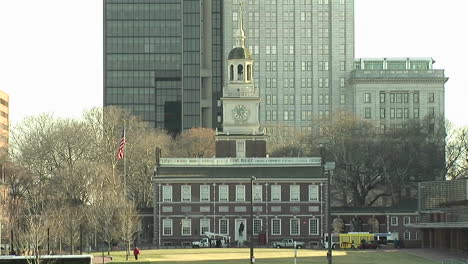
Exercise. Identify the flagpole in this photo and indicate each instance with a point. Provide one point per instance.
(122, 155)
(125, 163)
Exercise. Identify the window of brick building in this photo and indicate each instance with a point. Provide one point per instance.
(276, 226)
(313, 226)
(276, 192)
(167, 193)
(223, 193)
(294, 226)
(294, 193)
(313, 192)
(240, 193)
(186, 227)
(167, 227)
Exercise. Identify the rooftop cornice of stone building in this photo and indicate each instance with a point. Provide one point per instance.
(240, 162)
(429, 59)
(396, 75)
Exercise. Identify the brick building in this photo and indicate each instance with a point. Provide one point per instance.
(193, 196)
(397, 219)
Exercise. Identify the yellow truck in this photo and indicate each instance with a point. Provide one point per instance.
(348, 240)
(353, 239)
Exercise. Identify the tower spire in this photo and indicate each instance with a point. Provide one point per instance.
(240, 34)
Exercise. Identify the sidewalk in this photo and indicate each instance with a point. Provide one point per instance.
(98, 259)
(437, 255)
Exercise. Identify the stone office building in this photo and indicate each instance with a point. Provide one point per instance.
(393, 92)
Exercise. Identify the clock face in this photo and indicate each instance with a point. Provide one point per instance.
(240, 112)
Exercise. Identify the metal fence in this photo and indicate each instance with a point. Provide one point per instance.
(455, 261)
(435, 194)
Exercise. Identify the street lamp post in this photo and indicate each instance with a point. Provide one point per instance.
(252, 259)
(324, 171)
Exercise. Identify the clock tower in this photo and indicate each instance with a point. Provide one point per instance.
(241, 135)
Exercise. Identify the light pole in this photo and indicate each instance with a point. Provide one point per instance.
(252, 259)
(322, 160)
(1, 238)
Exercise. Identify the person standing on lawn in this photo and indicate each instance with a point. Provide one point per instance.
(136, 252)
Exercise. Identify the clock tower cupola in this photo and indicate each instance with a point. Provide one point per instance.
(241, 135)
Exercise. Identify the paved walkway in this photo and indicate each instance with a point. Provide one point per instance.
(99, 259)
(437, 255)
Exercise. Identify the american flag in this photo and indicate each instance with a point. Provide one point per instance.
(121, 151)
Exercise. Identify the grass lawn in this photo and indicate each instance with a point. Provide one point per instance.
(267, 256)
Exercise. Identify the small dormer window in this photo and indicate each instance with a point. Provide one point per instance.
(240, 72)
(249, 72)
(231, 73)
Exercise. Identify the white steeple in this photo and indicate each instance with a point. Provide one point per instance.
(241, 104)
(241, 99)
(240, 34)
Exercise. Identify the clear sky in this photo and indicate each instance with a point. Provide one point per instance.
(51, 50)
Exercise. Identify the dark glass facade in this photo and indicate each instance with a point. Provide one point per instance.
(152, 60)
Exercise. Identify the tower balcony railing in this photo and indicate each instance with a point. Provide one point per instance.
(242, 92)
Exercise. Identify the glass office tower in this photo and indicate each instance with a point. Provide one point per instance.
(162, 60)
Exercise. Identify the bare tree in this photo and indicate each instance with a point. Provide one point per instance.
(103, 213)
(456, 152)
(195, 142)
(106, 126)
(128, 223)
(32, 235)
(284, 142)
(371, 165)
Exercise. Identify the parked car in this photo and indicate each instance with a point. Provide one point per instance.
(212, 240)
(369, 245)
(203, 243)
(288, 243)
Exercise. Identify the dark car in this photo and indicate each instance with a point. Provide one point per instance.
(369, 245)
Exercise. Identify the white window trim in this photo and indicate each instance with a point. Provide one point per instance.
(258, 192)
(318, 226)
(396, 220)
(409, 235)
(166, 190)
(291, 192)
(407, 220)
(240, 148)
(261, 224)
(316, 198)
(272, 229)
(182, 197)
(227, 226)
(298, 226)
(182, 227)
(171, 225)
(205, 186)
(224, 188)
(279, 193)
(206, 221)
(238, 188)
